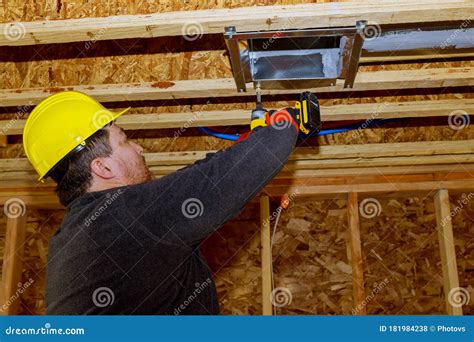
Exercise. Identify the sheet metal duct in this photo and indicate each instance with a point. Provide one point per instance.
(309, 58)
(295, 58)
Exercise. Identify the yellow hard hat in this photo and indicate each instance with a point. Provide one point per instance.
(59, 124)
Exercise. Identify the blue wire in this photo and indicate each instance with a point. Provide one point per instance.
(225, 136)
(347, 128)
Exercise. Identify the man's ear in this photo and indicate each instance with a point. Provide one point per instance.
(101, 168)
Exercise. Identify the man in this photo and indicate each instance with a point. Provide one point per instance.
(129, 244)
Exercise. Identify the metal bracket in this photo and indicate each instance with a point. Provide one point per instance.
(356, 51)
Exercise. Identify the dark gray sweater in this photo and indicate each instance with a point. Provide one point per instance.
(135, 249)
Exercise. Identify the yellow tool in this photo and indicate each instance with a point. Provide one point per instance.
(307, 114)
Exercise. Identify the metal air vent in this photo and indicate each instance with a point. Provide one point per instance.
(292, 59)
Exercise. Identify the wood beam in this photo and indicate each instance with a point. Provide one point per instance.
(358, 287)
(455, 152)
(447, 250)
(266, 252)
(244, 19)
(375, 189)
(322, 187)
(13, 257)
(19, 180)
(359, 111)
(225, 87)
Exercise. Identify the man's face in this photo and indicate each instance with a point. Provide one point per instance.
(127, 158)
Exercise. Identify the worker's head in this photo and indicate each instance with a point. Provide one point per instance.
(108, 160)
(73, 139)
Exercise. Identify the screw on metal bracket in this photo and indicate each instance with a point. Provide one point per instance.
(258, 92)
(229, 31)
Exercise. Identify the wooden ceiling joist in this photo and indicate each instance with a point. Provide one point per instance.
(363, 111)
(244, 19)
(317, 188)
(452, 151)
(372, 160)
(225, 87)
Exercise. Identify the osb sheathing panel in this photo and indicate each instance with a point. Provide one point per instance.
(175, 58)
(312, 262)
(402, 266)
(233, 253)
(463, 223)
(41, 226)
(30, 10)
(402, 258)
(311, 268)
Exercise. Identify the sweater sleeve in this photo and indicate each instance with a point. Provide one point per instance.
(191, 203)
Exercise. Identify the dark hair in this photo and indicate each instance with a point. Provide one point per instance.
(73, 173)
